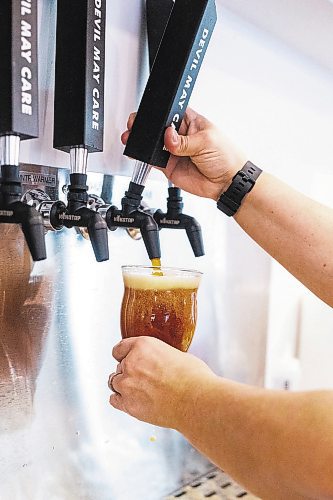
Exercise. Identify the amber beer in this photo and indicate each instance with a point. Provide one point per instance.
(160, 304)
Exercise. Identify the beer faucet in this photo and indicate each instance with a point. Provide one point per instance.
(19, 115)
(176, 52)
(79, 113)
(175, 219)
(76, 213)
(132, 216)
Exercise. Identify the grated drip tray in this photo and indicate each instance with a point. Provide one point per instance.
(215, 485)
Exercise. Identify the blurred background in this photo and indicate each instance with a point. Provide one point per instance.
(267, 83)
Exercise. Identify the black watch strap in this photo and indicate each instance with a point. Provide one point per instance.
(242, 183)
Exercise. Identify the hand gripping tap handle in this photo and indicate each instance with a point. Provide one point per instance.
(172, 79)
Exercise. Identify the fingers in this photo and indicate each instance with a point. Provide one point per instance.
(117, 402)
(125, 135)
(110, 382)
(184, 145)
(114, 382)
(121, 350)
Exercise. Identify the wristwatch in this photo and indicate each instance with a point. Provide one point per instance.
(242, 183)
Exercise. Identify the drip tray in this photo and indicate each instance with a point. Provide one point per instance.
(215, 485)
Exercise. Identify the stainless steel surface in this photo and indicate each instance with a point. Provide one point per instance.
(42, 203)
(214, 484)
(9, 150)
(141, 172)
(59, 319)
(78, 160)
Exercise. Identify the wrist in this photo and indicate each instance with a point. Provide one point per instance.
(241, 184)
(234, 166)
(197, 399)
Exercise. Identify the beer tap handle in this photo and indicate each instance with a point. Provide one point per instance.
(172, 79)
(79, 75)
(18, 69)
(158, 14)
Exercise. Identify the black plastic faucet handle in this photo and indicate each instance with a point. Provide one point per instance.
(150, 235)
(33, 229)
(194, 234)
(98, 233)
(175, 219)
(136, 219)
(84, 217)
(14, 211)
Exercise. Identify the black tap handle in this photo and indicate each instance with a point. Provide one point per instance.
(158, 13)
(172, 79)
(151, 237)
(18, 68)
(138, 219)
(97, 229)
(33, 229)
(98, 233)
(191, 225)
(79, 75)
(194, 234)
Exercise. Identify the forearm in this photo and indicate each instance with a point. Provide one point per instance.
(276, 444)
(294, 230)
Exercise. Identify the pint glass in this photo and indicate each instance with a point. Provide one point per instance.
(161, 303)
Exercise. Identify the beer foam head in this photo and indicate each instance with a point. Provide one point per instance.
(161, 282)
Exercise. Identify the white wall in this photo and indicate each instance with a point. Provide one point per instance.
(278, 105)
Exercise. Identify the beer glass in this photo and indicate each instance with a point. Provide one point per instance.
(161, 303)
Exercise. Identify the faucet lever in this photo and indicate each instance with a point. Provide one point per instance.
(175, 219)
(77, 214)
(14, 211)
(131, 216)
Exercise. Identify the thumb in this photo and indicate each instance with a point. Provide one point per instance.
(120, 351)
(183, 145)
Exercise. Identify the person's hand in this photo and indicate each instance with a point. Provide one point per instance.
(203, 161)
(154, 382)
